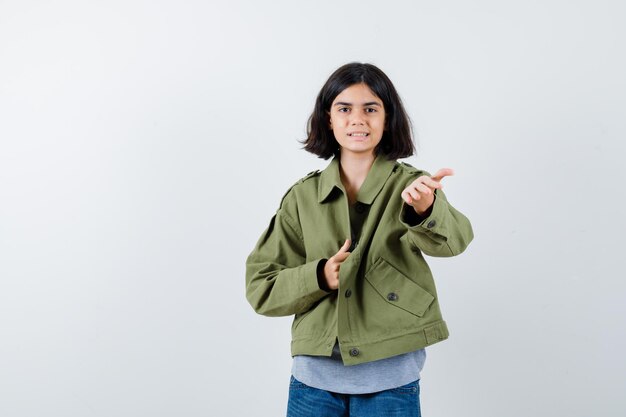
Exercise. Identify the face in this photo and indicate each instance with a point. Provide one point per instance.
(357, 118)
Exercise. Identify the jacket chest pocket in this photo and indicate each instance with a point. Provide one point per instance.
(398, 289)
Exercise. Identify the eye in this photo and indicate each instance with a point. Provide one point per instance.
(370, 110)
(343, 109)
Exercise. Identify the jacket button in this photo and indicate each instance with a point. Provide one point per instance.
(431, 224)
(354, 352)
(348, 293)
(392, 296)
(360, 207)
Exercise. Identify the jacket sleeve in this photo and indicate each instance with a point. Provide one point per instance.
(444, 232)
(279, 281)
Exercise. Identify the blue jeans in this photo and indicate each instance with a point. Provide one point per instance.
(305, 401)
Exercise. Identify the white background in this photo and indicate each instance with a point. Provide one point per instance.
(144, 146)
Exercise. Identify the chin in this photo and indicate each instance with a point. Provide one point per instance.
(359, 151)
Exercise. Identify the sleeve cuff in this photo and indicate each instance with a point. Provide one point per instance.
(309, 279)
(432, 223)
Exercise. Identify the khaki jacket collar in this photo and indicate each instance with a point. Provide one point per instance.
(377, 176)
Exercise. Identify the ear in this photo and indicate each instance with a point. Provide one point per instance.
(330, 121)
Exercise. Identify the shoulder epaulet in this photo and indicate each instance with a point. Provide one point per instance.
(309, 175)
(409, 168)
(300, 181)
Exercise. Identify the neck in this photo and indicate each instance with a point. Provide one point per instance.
(354, 170)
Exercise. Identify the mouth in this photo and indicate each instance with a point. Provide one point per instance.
(358, 134)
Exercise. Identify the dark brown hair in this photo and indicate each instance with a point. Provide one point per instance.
(396, 142)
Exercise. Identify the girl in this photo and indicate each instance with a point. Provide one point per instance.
(344, 254)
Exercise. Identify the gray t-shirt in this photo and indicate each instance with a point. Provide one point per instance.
(330, 374)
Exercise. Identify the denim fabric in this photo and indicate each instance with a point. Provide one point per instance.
(305, 401)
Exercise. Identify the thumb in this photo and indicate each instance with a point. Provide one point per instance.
(443, 172)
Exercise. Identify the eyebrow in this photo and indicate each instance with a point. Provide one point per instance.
(369, 103)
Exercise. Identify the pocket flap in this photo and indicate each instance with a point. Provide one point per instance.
(398, 289)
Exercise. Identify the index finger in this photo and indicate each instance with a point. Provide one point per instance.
(345, 246)
(443, 172)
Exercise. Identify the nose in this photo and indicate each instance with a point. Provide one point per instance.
(356, 119)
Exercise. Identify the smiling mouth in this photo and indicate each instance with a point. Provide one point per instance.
(359, 134)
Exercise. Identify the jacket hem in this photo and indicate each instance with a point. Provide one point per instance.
(373, 350)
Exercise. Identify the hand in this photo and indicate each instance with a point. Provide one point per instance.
(420, 194)
(331, 268)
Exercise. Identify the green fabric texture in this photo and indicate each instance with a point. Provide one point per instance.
(386, 303)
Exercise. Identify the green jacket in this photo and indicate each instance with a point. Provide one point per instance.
(386, 303)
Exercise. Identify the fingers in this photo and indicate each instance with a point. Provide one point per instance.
(343, 253)
(421, 186)
(340, 257)
(425, 185)
(412, 195)
(345, 247)
(430, 182)
(331, 275)
(443, 172)
(406, 196)
(331, 269)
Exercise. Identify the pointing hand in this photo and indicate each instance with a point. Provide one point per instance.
(331, 268)
(420, 194)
